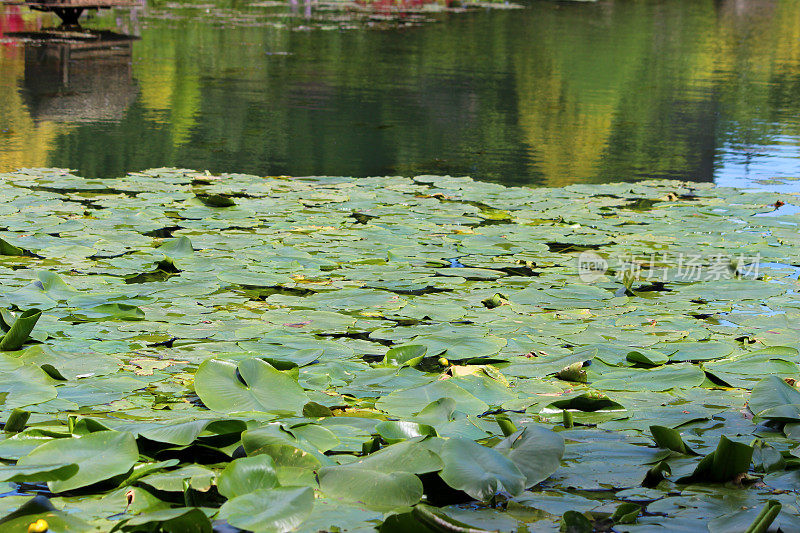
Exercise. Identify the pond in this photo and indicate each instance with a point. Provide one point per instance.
(550, 94)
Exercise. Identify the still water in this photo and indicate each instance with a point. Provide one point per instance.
(551, 94)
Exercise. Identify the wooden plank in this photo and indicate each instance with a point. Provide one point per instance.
(86, 4)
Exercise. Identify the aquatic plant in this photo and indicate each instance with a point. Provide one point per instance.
(426, 354)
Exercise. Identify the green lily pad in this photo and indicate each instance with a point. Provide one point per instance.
(247, 474)
(269, 510)
(38, 472)
(480, 471)
(535, 450)
(729, 460)
(40, 508)
(19, 332)
(328, 353)
(371, 488)
(99, 456)
(181, 519)
(261, 387)
(773, 398)
(395, 431)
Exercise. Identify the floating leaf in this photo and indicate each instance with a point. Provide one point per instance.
(747, 521)
(40, 508)
(626, 513)
(647, 357)
(415, 456)
(183, 432)
(174, 248)
(181, 519)
(99, 456)
(216, 200)
(374, 489)
(16, 421)
(6, 248)
(250, 385)
(110, 311)
(575, 522)
(55, 287)
(269, 510)
(480, 471)
(247, 474)
(412, 401)
(38, 472)
(316, 410)
(396, 431)
(457, 346)
(409, 355)
(190, 476)
(436, 520)
(535, 450)
(773, 398)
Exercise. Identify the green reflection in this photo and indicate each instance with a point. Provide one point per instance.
(554, 94)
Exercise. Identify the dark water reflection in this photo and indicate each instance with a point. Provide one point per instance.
(554, 94)
(79, 81)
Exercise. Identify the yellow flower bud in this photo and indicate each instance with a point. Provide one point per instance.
(40, 526)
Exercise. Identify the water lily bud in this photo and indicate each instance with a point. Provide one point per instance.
(40, 526)
(567, 418)
(444, 362)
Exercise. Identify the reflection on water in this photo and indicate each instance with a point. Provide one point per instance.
(553, 94)
(87, 78)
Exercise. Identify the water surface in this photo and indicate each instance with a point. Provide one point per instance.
(552, 94)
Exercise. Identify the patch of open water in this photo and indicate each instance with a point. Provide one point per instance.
(551, 94)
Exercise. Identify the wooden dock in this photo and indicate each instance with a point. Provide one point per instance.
(69, 11)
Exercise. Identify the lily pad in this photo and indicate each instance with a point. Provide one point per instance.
(371, 488)
(269, 510)
(99, 456)
(250, 385)
(480, 471)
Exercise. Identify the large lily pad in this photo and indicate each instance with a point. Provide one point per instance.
(480, 471)
(99, 456)
(536, 451)
(269, 510)
(373, 489)
(250, 385)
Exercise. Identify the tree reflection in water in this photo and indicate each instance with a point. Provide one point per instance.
(553, 94)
